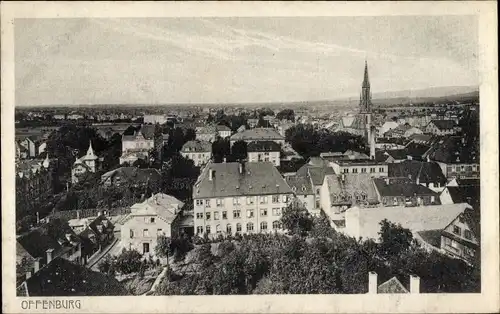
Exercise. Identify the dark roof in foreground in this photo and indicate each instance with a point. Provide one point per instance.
(407, 190)
(444, 124)
(413, 169)
(465, 194)
(257, 178)
(63, 278)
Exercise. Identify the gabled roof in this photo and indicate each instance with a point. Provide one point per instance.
(196, 146)
(455, 149)
(365, 222)
(465, 194)
(444, 124)
(407, 190)
(160, 204)
(392, 285)
(134, 175)
(300, 185)
(145, 131)
(63, 278)
(257, 134)
(351, 188)
(107, 225)
(263, 146)
(425, 172)
(222, 127)
(257, 178)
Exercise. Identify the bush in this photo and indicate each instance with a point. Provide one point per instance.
(129, 261)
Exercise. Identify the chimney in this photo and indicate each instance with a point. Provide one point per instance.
(342, 178)
(414, 284)
(387, 181)
(37, 265)
(372, 282)
(372, 144)
(242, 167)
(28, 275)
(49, 255)
(211, 174)
(37, 218)
(78, 214)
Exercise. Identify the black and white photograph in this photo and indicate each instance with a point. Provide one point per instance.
(248, 155)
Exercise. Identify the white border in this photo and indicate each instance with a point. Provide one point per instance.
(487, 301)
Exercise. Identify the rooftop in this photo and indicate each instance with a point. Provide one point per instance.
(197, 146)
(408, 189)
(258, 134)
(444, 124)
(456, 149)
(263, 146)
(300, 185)
(160, 204)
(256, 178)
(351, 188)
(133, 174)
(425, 172)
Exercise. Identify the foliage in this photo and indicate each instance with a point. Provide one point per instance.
(163, 246)
(129, 261)
(394, 239)
(221, 149)
(25, 224)
(286, 114)
(296, 219)
(308, 141)
(239, 151)
(107, 265)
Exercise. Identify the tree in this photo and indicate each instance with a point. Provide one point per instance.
(394, 239)
(286, 114)
(296, 219)
(107, 265)
(190, 135)
(163, 247)
(221, 149)
(239, 150)
(204, 255)
(129, 261)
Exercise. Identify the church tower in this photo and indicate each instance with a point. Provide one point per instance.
(365, 104)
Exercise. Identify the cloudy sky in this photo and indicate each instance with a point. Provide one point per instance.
(210, 60)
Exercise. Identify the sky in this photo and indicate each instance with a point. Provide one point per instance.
(237, 60)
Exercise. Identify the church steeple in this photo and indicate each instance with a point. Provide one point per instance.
(366, 80)
(366, 98)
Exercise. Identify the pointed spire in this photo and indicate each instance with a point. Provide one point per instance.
(46, 162)
(90, 151)
(366, 80)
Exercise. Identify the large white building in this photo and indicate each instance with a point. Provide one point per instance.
(258, 135)
(235, 197)
(137, 146)
(264, 151)
(199, 152)
(84, 165)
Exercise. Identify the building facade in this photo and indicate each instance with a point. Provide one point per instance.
(461, 238)
(199, 152)
(268, 151)
(136, 146)
(239, 197)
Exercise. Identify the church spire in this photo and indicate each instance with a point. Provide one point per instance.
(366, 80)
(90, 151)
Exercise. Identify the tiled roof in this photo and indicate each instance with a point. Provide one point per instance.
(196, 146)
(409, 189)
(455, 149)
(365, 222)
(51, 235)
(300, 185)
(263, 146)
(257, 134)
(99, 221)
(134, 175)
(160, 204)
(351, 188)
(222, 127)
(444, 124)
(392, 285)
(147, 131)
(417, 150)
(63, 278)
(257, 178)
(465, 194)
(318, 174)
(432, 237)
(426, 172)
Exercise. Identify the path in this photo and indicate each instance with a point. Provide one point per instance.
(93, 262)
(157, 281)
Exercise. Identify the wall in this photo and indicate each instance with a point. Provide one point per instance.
(273, 157)
(199, 158)
(228, 205)
(138, 224)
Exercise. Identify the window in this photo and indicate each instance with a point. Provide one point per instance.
(263, 225)
(228, 228)
(152, 220)
(145, 233)
(217, 229)
(363, 170)
(250, 226)
(468, 234)
(224, 215)
(238, 227)
(249, 200)
(285, 199)
(433, 199)
(355, 170)
(207, 203)
(276, 198)
(236, 201)
(447, 241)
(346, 170)
(208, 229)
(469, 251)
(457, 230)
(381, 169)
(199, 202)
(159, 232)
(216, 215)
(276, 224)
(276, 211)
(236, 214)
(249, 213)
(462, 168)
(317, 204)
(207, 216)
(131, 233)
(263, 212)
(199, 215)
(317, 191)
(461, 219)
(146, 220)
(219, 202)
(454, 244)
(263, 199)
